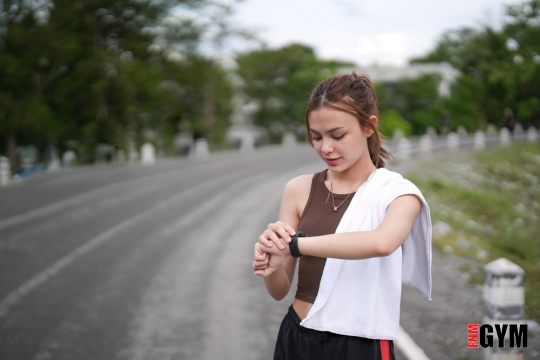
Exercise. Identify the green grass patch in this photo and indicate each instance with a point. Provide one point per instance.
(486, 205)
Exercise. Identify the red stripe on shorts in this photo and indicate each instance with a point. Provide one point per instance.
(385, 349)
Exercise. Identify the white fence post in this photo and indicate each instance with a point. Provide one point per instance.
(425, 144)
(5, 170)
(479, 140)
(289, 139)
(504, 137)
(532, 134)
(452, 141)
(518, 131)
(201, 147)
(491, 131)
(504, 301)
(148, 153)
(69, 158)
(404, 149)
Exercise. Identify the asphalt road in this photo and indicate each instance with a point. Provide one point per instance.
(154, 262)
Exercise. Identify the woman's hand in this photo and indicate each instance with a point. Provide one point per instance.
(268, 259)
(278, 233)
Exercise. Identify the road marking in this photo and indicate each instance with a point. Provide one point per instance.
(74, 200)
(49, 272)
(408, 347)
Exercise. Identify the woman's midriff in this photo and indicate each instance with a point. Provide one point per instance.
(302, 308)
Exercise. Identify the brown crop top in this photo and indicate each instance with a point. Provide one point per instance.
(318, 219)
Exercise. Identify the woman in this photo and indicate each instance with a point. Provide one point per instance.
(368, 230)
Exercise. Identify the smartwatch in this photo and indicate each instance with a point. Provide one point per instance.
(293, 245)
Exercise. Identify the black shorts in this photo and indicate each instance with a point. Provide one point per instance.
(296, 342)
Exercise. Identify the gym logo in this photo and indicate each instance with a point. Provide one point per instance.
(497, 335)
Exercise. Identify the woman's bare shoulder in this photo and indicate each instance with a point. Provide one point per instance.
(299, 185)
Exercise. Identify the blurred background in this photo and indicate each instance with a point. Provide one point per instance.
(140, 141)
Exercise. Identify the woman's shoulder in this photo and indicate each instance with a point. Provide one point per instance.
(300, 183)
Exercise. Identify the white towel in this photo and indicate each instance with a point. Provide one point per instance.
(362, 297)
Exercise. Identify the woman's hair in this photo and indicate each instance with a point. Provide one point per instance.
(352, 94)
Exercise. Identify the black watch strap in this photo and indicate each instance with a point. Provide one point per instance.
(293, 245)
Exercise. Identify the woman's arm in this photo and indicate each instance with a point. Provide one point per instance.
(279, 275)
(382, 241)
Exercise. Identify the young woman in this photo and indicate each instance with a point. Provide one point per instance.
(368, 229)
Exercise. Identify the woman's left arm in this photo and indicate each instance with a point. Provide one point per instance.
(382, 241)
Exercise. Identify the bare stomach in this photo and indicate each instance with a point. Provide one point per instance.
(301, 307)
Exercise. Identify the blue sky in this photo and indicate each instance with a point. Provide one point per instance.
(366, 32)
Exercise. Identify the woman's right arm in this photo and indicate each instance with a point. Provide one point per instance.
(279, 282)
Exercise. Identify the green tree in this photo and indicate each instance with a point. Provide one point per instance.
(280, 81)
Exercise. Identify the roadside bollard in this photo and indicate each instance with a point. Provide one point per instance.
(504, 137)
(425, 144)
(5, 170)
(491, 132)
(201, 147)
(452, 141)
(432, 132)
(404, 149)
(148, 153)
(532, 134)
(518, 131)
(504, 301)
(69, 158)
(462, 132)
(289, 139)
(479, 140)
(247, 143)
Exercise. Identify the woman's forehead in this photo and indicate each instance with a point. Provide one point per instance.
(326, 118)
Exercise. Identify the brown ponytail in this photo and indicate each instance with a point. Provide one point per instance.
(355, 95)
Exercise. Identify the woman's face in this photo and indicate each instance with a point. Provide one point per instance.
(338, 138)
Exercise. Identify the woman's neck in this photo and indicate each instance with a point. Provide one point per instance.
(352, 178)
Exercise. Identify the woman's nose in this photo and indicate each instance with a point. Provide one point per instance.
(327, 146)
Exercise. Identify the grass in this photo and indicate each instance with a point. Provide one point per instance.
(486, 205)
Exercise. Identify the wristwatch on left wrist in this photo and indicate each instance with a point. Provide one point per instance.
(293, 245)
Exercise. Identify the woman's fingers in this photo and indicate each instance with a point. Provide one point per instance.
(271, 235)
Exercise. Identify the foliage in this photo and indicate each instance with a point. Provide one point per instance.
(92, 72)
(280, 81)
(500, 68)
(390, 120)
(492, 203)
(417, 100)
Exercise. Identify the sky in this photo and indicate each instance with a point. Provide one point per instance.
(384, 32)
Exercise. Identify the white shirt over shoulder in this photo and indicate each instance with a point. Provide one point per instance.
(362, 297)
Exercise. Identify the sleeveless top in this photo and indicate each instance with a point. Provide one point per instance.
(318, 219)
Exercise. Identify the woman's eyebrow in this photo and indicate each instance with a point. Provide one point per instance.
(329, 131)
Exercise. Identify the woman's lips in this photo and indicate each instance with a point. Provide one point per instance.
(332, 162)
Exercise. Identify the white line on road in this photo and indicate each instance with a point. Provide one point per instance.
(408, 347)
(111, 233)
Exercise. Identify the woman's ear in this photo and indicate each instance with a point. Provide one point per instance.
(374, 120)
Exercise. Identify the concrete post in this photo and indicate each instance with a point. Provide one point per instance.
(201, 147)
(504, 137)
(462, 132)
(432, 132)
(425, 144)
(532, 134)
(289, 139)
(504, 301)
(5, 170)
(452, 141)
(148, 153)
(491, 131)
(479, 140)
(518, 131)
(69, 158)
(404, 149)
(247, 143)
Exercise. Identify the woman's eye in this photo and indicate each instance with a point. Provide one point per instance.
(315, 139)
(338, 137)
